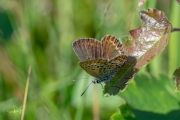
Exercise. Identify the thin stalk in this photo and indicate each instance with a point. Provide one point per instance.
(102, 21)
(26, 91)
(95, 104)
(175, 30)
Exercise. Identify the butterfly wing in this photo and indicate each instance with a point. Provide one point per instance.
(103, 69)
(112, 67)
(87, 49)
(112, 47)
(102, 59)
(93, 67)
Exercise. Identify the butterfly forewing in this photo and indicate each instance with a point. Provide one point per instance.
(93, 67)
(112, 47)
(87, 49)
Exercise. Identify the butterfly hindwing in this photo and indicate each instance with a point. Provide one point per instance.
(112, 66)
(103, 69)
(93, 67)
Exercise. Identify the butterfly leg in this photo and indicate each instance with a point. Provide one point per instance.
(102, 86)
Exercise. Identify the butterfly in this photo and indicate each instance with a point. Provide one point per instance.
(100, 59)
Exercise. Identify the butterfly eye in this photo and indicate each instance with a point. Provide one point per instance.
(98, 81)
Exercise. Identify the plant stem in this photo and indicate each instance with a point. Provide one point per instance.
(102, 21)
(26, 92)
(95, 104)
(175, 30)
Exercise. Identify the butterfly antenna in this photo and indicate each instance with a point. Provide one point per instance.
(80, 79)
(86, 89)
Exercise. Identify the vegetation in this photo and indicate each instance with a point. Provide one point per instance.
(39, 34)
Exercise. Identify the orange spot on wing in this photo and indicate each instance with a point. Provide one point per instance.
(121, 59)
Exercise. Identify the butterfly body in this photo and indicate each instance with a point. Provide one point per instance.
(101, 59)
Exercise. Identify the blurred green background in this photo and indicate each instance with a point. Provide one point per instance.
(40, 33)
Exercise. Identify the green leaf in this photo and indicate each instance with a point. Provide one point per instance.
(177, 79)
(145, 42)
(148, 40)
(117, 116)
(127, 112)
(124, 114)
(152, 98)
